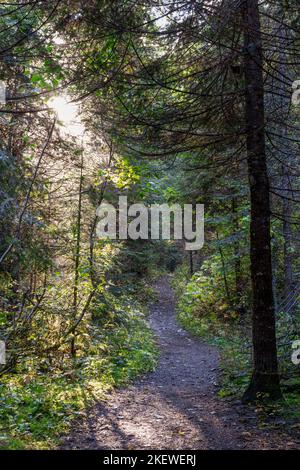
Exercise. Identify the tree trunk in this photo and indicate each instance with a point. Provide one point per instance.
(236, 250)
(191, 263)
(265, 378)
(77, 257)
(287, 235)
(224, 271)
(285, 182)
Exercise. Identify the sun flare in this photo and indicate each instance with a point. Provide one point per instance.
(68, 114)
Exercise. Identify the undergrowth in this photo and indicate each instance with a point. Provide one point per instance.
(41, 397)
(200, 312)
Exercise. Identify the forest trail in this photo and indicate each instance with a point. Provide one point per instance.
(175, 407)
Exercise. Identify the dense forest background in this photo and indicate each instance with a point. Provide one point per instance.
(164, 102)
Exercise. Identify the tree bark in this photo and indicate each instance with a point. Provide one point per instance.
(265, 378)
(236, 250)
(287, 235)
(191, 263)
(224, 271)
(77, 256)
(285, 182)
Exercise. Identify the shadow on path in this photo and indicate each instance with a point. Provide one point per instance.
(176, 406)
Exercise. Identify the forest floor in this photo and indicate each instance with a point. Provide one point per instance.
(176, 406)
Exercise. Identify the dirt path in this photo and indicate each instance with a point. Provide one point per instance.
(176, 406)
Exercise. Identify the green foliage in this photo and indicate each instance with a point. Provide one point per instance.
(200, 312)
(204, 295)
(42, 397)
(140, 98)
